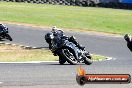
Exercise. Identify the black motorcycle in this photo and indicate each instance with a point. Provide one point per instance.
(66, 50)
(4, 35)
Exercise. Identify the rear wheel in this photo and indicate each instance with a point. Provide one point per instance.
(61, 60)
(70, 57)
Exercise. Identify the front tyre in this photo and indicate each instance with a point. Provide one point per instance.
(87, 60)
(70, 57)
(8, 37)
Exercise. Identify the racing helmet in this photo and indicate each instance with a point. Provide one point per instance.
(3, 27)
(54, 28)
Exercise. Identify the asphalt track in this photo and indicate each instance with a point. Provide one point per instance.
(53, 75)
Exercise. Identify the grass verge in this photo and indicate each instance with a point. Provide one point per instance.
(9, 53)
(72, 17)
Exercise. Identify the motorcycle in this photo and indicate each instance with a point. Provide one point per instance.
(4, 35)
(67, 51)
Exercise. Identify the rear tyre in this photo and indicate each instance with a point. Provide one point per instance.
(61, 60)
(69, 55)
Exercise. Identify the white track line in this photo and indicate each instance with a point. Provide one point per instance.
(109, 58)
(33, 62)
(29, 62)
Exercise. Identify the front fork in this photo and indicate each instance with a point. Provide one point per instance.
(82, 55)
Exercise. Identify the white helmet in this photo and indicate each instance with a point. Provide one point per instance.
(54, 28)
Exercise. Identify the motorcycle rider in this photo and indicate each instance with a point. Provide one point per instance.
(57, 31)
(129, 41)
(3, 28)
(60, 34)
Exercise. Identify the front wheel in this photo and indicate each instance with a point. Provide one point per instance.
(87, 60)
(8, 37)
(69, 55)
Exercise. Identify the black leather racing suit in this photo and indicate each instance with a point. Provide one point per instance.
(58, 35)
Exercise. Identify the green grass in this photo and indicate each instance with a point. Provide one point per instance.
(10, 53)
(82, 18)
